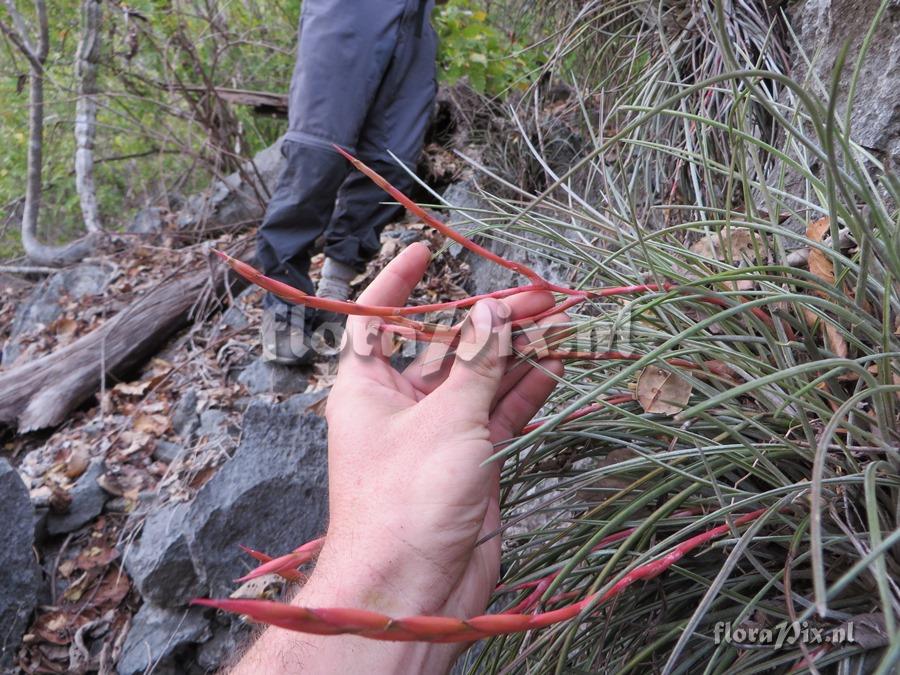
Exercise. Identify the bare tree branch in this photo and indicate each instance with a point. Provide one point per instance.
(86, 62)
(20, 44)
(21, 30)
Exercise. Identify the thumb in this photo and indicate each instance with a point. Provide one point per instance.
(480, 361)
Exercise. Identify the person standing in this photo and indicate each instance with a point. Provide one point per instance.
(364, 79)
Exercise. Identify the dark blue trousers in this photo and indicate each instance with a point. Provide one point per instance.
(365, 80)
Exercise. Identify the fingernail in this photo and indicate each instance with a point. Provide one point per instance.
(483, 317)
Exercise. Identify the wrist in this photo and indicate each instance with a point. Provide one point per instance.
(366, 583)
(362, 578)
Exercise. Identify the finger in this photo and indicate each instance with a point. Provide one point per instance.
(430, 368)
(536, 339)
(390, 288)
(522, 401)
(479, 362)
(395, 282)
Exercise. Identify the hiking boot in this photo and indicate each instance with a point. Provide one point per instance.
(285, 335)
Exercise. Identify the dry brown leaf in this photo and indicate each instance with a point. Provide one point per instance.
(96, 556)
(821, 266)
(154, 424)
(58, 626)
(736, 244)
(65, 327)
(77, 462)
(835, 341)
(819, 263)
(111, 590)
(661, 391)
(265, 587)
(132, 388)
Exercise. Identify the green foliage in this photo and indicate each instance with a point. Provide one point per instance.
(154, 141)
(471, 46)
(683, 157)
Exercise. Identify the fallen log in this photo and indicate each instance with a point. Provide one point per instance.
(41, 393)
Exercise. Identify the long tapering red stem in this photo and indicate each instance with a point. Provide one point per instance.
(442, 227)
(376, 626)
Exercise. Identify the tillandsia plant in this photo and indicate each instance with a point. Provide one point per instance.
(716, 491)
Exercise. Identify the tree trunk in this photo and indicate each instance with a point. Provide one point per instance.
(86, 61)
(37, 252)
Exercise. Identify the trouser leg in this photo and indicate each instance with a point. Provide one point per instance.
(361, 214)
(396, 124)
(298, 212)
(343, 52)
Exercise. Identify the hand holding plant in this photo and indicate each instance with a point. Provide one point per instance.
(410, 495)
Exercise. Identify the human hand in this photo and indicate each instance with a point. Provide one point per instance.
(409, 494)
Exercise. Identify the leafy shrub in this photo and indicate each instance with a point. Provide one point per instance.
(471, 46)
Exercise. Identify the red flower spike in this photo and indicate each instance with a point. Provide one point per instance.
(334, 621)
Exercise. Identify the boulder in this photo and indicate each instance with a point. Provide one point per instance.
(272, 378)
(234, 200)
(87, 502)
(21, 575)
(43, 304)
(161, 565)
(158, 637)
(824, 26)
(271, 495)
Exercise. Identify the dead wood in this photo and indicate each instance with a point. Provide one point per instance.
(42, 392)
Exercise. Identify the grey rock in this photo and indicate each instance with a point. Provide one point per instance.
(271, 495)
(233, 200)
(161, 565)
(147, 221)
(18, 590)
(824, 27)
(158, 637)
(486, 276)
(167, 452)
(88, 499)
(213, 424)
(226, 641)
(272, 378)
(302, 402)
(185, 419)
(43, 304)
(41, 514)
(234, 318)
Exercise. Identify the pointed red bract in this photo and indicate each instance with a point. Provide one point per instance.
(286, 565)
